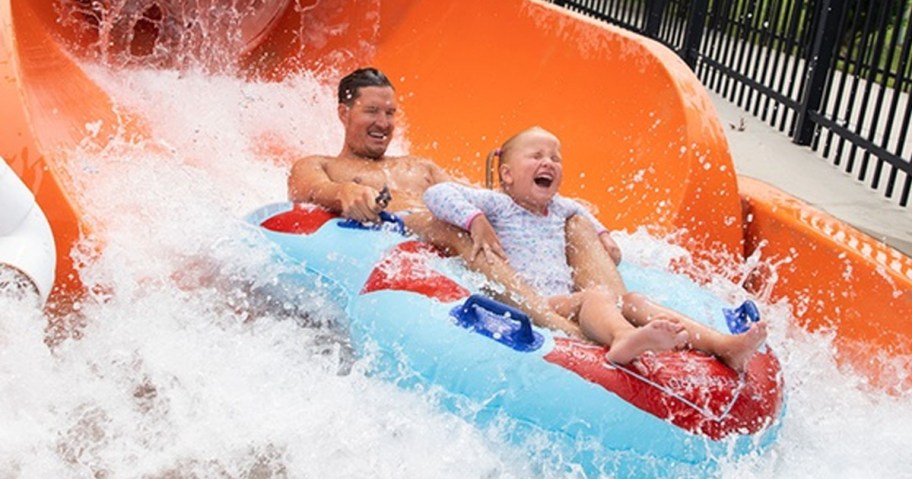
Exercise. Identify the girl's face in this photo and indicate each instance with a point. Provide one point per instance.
(531, 170)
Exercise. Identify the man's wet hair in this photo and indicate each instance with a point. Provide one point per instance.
(350, 86)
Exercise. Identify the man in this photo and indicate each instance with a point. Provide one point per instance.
(355, 184)
(350, 182)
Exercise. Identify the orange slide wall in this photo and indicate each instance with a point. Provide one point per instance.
(836, 279)
(47, 103)
(641, 139)
(627, 110)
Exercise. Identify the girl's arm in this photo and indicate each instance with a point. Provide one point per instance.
(465, 207)
(457, 204)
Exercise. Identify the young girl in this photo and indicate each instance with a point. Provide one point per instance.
(529, 218)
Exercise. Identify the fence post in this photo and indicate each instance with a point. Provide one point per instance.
(694, 35)
(826, 38)
(655, 8)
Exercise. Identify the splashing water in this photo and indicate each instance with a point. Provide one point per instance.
(184, 369)
(191, 358)
(167, 33)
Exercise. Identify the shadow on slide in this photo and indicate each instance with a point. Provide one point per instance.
(647, 145)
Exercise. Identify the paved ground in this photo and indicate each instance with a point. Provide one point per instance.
(764, 153)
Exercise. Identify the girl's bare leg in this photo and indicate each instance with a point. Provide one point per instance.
(602, 321)
(735, 350)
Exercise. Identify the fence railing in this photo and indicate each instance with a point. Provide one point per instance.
(835, 75)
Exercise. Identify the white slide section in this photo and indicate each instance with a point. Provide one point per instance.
(26, 240)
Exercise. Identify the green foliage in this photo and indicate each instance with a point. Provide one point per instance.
(870, 40)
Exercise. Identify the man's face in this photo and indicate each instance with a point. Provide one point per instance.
(369, 122)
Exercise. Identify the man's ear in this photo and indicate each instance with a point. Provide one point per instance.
(343, 110)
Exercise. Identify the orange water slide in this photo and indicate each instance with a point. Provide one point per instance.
(49, 106)
(626, 109)
(640, 134)
(837, 279)
(641, 139)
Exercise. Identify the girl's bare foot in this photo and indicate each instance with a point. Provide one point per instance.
(739, 348)
(657, 336)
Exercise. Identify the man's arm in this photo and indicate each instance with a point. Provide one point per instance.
(308, 182)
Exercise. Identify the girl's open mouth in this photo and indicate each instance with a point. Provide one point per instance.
(543, 181)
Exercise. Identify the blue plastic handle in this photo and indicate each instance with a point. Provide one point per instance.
(739, 319)
(385, 217)
(523, 335)
(391, 218)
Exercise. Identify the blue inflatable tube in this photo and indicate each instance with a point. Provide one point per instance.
(664, 415)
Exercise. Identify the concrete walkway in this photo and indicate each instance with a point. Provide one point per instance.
(764, 153)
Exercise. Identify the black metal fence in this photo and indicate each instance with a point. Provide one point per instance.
(836, 75)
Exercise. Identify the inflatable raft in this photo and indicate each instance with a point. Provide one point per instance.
(425, 329)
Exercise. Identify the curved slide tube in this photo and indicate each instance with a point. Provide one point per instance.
(836, 278)
(26, 240)
(642, 140)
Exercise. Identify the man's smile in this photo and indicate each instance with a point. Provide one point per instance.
(378, 135)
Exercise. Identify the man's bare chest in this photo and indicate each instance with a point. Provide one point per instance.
(394, 175)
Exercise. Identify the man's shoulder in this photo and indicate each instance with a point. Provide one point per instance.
(312, 159)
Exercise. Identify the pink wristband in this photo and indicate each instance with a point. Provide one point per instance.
(468, 223)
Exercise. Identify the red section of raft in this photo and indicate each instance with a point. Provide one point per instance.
(692, 390)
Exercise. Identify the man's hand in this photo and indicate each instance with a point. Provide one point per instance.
(359, 202)
(384, 197)
(610, 246)
(484, 240)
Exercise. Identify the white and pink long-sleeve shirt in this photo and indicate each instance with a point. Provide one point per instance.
(535, 244)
